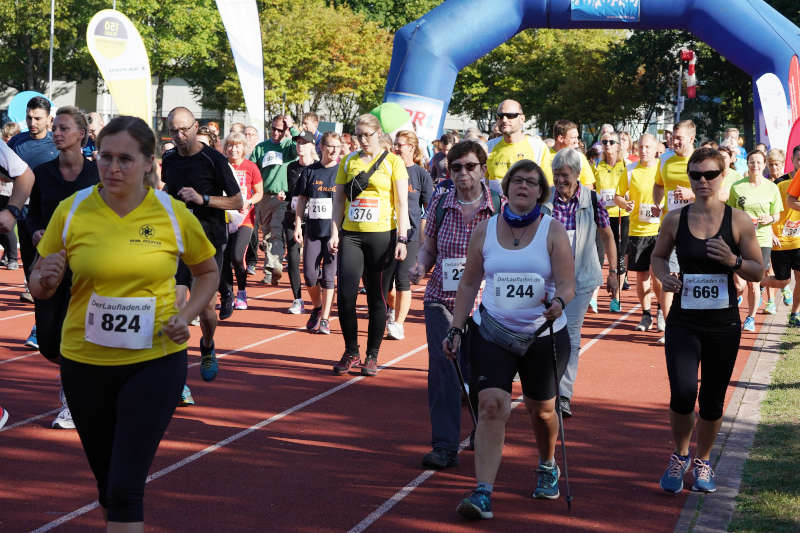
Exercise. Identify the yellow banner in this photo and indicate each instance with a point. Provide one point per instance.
(118, 50)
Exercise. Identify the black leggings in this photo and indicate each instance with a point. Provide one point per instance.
(373, 254)
(238, 244)
(621, 245)
(50, 316)
(690, 344)
(8, 240)
(292, 260)
(319, 265)
(121, 414)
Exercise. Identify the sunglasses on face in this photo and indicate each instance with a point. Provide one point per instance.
(456, 167)
(708, 174)
(510, 116)
(608, 142)
(273, 128)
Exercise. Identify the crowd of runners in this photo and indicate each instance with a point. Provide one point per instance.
(125, 242)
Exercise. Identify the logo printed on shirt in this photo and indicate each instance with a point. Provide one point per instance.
(741, 201)
(146, 231)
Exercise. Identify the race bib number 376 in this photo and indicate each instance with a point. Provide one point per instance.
(523, 290)
(364, 210)
(120, 322)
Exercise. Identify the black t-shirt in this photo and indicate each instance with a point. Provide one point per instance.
(49, 188)
(439, 166)
(319, 183)
(420, 190)
(293, 171)
(207, 172)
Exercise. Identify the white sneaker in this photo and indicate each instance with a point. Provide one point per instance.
(395, 331)
(63, 420)
(660, 322)
(662, 340)
(297, 307)
(390, 316)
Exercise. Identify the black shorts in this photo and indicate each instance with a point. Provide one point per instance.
(784, 261)
(494, 367)
(639, 251)
(183, 276)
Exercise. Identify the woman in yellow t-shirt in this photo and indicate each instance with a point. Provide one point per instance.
(123, 344)
(369, 231)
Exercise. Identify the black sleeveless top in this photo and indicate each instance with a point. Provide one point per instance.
(693, 259)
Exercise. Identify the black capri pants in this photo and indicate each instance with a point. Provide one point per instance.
(494, 367)
(712, 347)
(121, 414)
(402, 279)
(619, 227)
(319, 264)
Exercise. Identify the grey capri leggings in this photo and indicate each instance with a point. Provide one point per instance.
(319, 265)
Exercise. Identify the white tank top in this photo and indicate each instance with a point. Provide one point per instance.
(518, 280)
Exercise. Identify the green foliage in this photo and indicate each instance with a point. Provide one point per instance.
(389, 14)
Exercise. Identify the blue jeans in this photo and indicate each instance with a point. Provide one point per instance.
(444, 390)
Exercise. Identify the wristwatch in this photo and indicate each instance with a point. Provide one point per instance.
(15, 211)
(402, 240)
(738, 263)
(206, 199)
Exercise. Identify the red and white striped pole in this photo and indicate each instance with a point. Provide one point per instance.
(691, 77)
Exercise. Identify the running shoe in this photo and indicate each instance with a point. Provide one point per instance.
(593, 305)
(314, 319)
(395, 331)
(672, 480)
(32, 341)
(324, 327)
(347, 362)
(26, 296)
(241, 300)
(63, 420)
(195, 321)
(3, 416)
(370, 366)
(787, 295)
(390, 316)
(645, 322)
(439, 458)
(12, 265)
(476, 506)
(277, 274)
(770, 308)
(749, 324)
(208, 361)
(297, 307)
(251, 270)
(547, 481)
(615, 306)
(4, 261)
(703, 477)
(794, 319)
(739, 300)
(226, 307)
(186, 397)
(661, 324)
(662, 340)
(267, 279)
(625, 285)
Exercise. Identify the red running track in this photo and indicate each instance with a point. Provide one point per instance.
(277, 442)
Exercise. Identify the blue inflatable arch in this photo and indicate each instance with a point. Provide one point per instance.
(429, 52)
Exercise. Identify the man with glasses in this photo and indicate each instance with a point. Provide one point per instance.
(251, 135)
(515, 146)
(565, 135)
(203, 179)
(272, 157)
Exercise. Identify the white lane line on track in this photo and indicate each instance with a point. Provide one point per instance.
(16, 316)
(17, 358)
(29, 420)
(233, 438)
(398, 496)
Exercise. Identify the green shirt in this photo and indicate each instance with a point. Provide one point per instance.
(757, 200)
(273, 158)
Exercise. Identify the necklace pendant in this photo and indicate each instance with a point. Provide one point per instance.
(516, 242)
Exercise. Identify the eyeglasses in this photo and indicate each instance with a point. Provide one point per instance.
(708, 174)
(516, 180)
(510, 116)
(607, 142)
(183, 131)
(456, 167)
(364, 136)
(332, 145)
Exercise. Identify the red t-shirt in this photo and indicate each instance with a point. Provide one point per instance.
(247, 175)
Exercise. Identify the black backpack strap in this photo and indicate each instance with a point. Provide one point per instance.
(594, 208)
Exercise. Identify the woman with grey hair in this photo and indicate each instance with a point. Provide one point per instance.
(585, 219)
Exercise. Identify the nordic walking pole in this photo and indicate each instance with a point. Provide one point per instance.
(466, 392)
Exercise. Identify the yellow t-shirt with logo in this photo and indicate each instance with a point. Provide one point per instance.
(134, 256)
(504, 155)
(586, 177)
(607, 182)
(373, 209)
(672, 172)
(639, 188)
(787, 228)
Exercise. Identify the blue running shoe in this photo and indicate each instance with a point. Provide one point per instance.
(593, 305)
(186, 397)
(208, 361)
(749, 324)
(476, 506)
(703, 477)
(770, 308)
(672, 480)
(547, 481)
(739, 301)
(32, 341)
(794, 319)
(787, 295)
(615, 306)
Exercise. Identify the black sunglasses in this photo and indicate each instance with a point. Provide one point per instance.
(508, 115)
(456, 167)
(607, 142)
(708, 174)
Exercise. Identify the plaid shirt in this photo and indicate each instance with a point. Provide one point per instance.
(564, 212)
(452, 240)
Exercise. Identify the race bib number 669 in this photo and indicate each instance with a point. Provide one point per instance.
(120, 322)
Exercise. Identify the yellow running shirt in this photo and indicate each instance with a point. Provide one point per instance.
(504, 155)
(671, 174)
(639, 188)
(787, 228)
(608, 180)
(373, 209)
(125, 266)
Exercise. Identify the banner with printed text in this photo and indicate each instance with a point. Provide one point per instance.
(118, 50)
(425, 113)
(605, 10)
